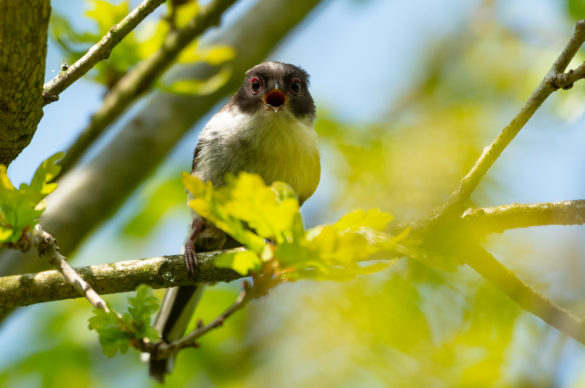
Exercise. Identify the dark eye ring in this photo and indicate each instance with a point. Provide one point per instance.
(295, 86)
(255, 85)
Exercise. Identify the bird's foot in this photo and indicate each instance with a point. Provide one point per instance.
(191, 261)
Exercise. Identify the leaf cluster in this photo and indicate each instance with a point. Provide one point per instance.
(267, 221)
(21, 208)
(117, 332)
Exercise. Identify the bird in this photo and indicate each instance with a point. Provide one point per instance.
(266, 128)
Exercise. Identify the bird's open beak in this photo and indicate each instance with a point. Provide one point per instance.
(275, 99)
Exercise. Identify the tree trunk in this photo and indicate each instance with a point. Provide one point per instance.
(23, 48)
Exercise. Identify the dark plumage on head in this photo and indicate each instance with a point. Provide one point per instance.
(275, 87)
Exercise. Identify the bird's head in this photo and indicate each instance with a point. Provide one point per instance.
(276, 87)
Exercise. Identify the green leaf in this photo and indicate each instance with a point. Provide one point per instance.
(115, 332)
(111, 337)
(194, 87)
(243, 262)
(355, 245)
(106, 14)
(46, 172)
(21, 208)
(246, 209)
(5, 233)
(215, 55)
(142, 307)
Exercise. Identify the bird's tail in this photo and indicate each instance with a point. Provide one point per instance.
(175, 312)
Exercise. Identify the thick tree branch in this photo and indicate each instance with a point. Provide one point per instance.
(500, 218)
(23, 48)
(140, 79)
(123, 276)
(551, 82)
(101, 50)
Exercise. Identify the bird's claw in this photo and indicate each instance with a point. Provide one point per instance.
(191, 261)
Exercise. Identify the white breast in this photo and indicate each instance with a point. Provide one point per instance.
(275, 145)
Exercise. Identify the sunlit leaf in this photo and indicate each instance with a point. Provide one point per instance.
(106, 14)
(46, 172)
(193, 87)
(21, 208)
(5, 183)
(373, 218)
(251, 212)
(243, 262)
(216, 55)
(185, 12)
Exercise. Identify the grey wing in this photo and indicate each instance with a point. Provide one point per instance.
(196, 154)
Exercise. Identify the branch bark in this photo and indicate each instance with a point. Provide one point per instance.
(48, 249)
(101, 50)
(123, 276)
(500, 218)
(23, 48)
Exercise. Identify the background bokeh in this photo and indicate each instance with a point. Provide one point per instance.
(408, 93)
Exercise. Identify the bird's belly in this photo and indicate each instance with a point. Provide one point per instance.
(299, 168)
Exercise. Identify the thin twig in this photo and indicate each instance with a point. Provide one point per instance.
(48, 249)
(97, 52)
(499, 218)
(165, 350)
(548, 85)
(142, 77)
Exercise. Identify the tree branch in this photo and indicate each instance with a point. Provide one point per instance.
(48, 249)
(23, 50)
(437, 232)
(165, 350)
(100, 50)
(141, 78)
(123, 276)
(500, 218)
(527, 298)
(551, 82)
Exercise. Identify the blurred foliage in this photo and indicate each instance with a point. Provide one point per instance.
(158, 202)
(20, 209)
(140, 44)
(576, 9)
(409, 325)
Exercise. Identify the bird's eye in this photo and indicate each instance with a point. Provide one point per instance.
(255, 85)
(295, 86)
